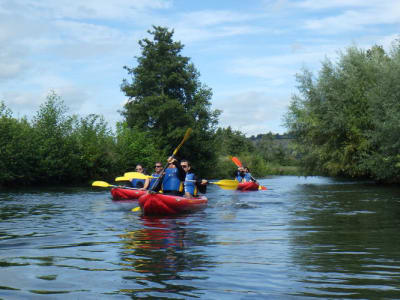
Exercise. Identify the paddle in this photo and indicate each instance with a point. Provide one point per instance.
(132, 175)
(238, 163)
(105, 184)
(136, 175)
(226, 184)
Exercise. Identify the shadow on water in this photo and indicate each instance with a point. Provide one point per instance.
(165, 257)
(345, 240)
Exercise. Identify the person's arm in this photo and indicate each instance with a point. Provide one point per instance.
(146, 184)
(201, 185)
(181, 171)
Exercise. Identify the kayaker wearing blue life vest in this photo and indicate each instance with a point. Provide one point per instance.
(243, 175)
(240, 175)
(158, 168)
(192, 185)
(247, 175)
(138, 183)
(172, 179)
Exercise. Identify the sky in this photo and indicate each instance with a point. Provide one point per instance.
(247, 52)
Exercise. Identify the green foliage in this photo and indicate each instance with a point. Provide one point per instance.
(96, 148)
(18, 161)
(345, 121)
(56, 151)
(135, 147)
(167, 97)
(232, 142)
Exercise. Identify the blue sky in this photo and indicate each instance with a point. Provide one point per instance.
(247, 52)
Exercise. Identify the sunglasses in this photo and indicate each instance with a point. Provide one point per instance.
(139, 169)
(157, 166)
(184, 166)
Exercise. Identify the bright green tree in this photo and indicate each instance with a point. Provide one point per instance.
(345, 121)
(166, 97)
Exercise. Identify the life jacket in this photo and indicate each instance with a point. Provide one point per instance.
(247, 177)
(137, 183)
(239, 177)
(171, 181)
(190, 185)
(153, 180)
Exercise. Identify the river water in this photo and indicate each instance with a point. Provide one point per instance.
(303, 238)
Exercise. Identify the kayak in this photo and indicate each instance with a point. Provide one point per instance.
(126, 194)
(248, 186)
(159, 204)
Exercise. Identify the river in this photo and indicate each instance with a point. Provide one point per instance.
(303, 238)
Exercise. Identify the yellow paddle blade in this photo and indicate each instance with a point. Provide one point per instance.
(122, 178)
(227, 184)
(136, 175)
(101, 184)
(135, 209)
(187, 134)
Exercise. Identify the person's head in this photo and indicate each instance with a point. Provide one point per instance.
(158, 167)
(185, 164)
(171, 162)
(246, 169)
(139, 168)
(240, 169)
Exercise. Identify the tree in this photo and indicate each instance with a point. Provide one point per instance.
(57, 150)
(166, 97)
(18, 161)
(345, 121)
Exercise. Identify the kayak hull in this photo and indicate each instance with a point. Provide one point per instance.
(126, 194)
(162, 205)
(248, 186)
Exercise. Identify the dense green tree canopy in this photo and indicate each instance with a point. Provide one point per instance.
(166, 97)
(346, 121)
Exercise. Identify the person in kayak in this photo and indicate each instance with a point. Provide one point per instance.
(149, 183)
(240, 175)
(172, 179)
(247, 175)
(192, 185)
(138, 183)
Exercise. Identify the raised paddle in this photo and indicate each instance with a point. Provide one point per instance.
(107, 185)
(185, 137)
(238, 163)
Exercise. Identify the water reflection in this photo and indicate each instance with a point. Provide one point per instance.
(167, 253)
(345, 242)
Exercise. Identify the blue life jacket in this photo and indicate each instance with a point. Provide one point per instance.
(247, 177)
(137, 183)
(171, 181)
(190, 185)
(238, 177)
(153, 180)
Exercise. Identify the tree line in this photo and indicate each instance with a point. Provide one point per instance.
(346, 120)
(56, 147)
(343, 122)
(165, 98)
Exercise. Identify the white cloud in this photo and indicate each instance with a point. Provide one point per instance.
(357, 18)
(89, 9)
(323, 5)
(252, 111)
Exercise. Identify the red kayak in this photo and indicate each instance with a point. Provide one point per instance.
(126, 194)
(159, 204)
(248, 186)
